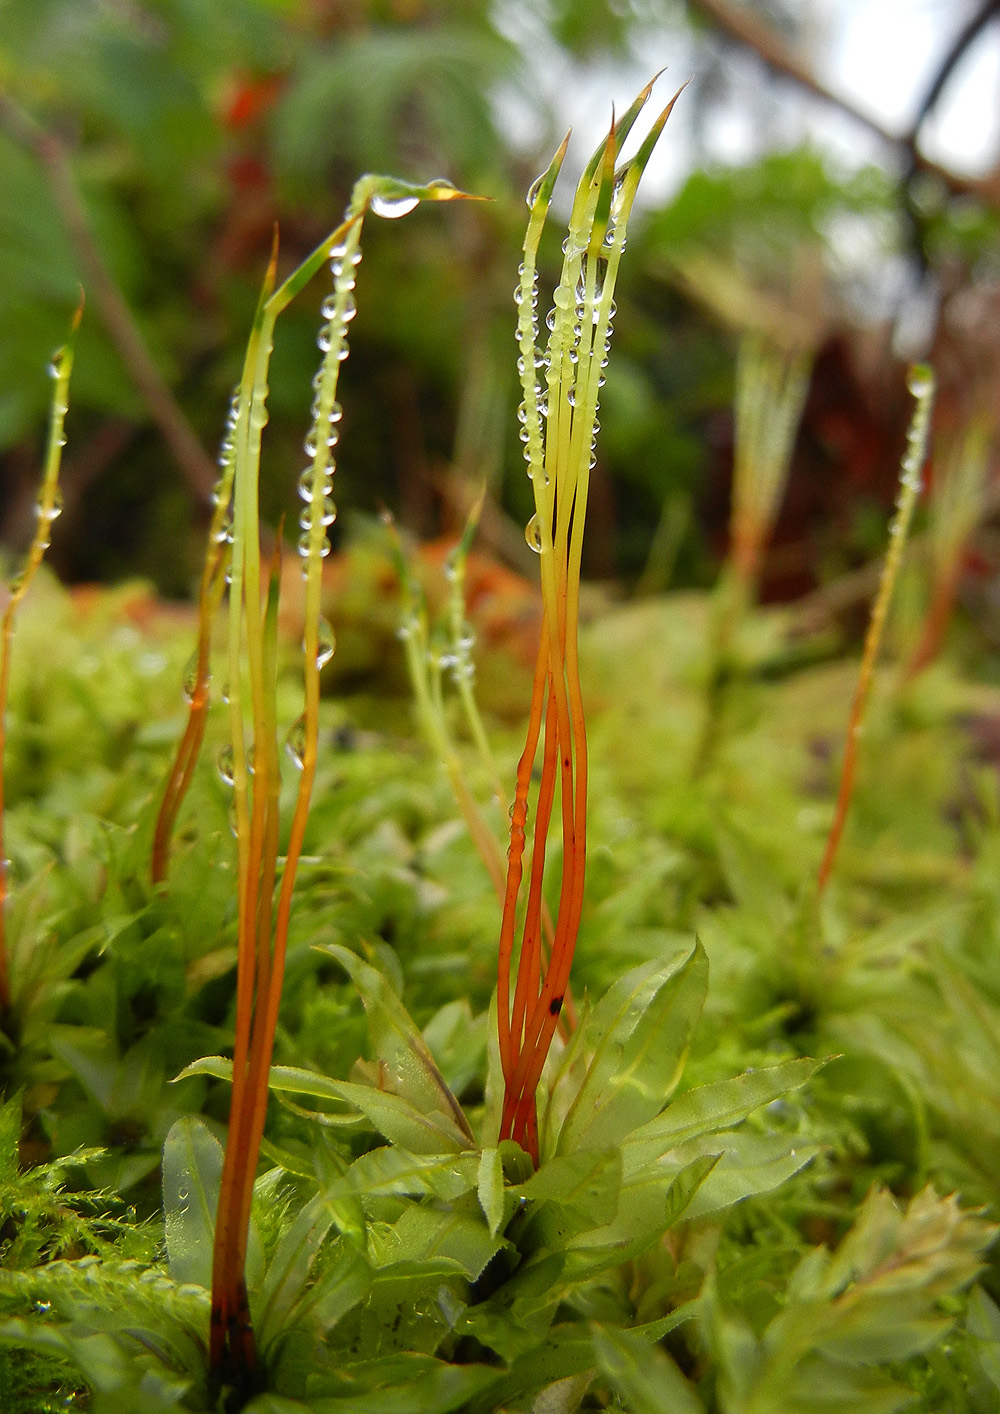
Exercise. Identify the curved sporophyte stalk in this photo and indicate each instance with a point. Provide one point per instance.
(253, 758)
(921, 385)
(48, 508)
(559, 428)
(198, 677)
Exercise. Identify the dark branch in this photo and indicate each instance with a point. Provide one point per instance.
(194, 462)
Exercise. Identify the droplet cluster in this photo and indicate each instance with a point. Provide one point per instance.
(316, 481)
(222, 522)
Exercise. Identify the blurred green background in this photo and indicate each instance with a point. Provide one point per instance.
(148, 147)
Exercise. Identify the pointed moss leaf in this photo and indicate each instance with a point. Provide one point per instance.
(97, 1357)
(192, 1173)
(749, 1164)
(92, 1057)
(680, 1194)
(393, 1170)
(490, 1190)
(646, 1210)
(626, 122)
(10, 1135)
(424, 1233)
(540, 194)
(821, 1386)
(566, 1350)
(982, 1323)
(394, 1117)
(398, 1120)
(290, 1286)
(639, 1032)
(709, 1108)
(406, 1062)
(644, 1378)
(339, 1288)
(398, 1386)
(576, 1192)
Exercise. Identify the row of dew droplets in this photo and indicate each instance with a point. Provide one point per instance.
(531, 360)
(316, 482)
(221, 529)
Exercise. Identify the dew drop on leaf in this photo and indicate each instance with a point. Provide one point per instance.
(533, 534)
(191, 677)
(225, 765)
(533, 191)
(327, 644)
(295, 742)
(392, 207)
(920, 380)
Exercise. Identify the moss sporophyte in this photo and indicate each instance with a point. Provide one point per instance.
(252, 758)
(48, 509)
(561, 386)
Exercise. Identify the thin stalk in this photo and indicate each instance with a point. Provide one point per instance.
(49, 506)
(921, 385)
(198, 686)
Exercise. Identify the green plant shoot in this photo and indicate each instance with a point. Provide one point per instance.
(49, 506)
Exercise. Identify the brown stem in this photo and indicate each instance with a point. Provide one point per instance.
(740, 24)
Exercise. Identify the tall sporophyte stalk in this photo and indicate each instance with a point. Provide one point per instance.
(48, 508)
(922, 385)
(251, 760)
(561, 385)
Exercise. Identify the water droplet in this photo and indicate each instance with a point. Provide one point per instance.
(533, 534)
(920, 380)
(550, 319)
(191, 677)
(327, 643)
(329, 307)
(562, 297)
(533, 190)
(305, 546)
(225, 764)
(295, 742)
(53, 511)
(392, 207)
